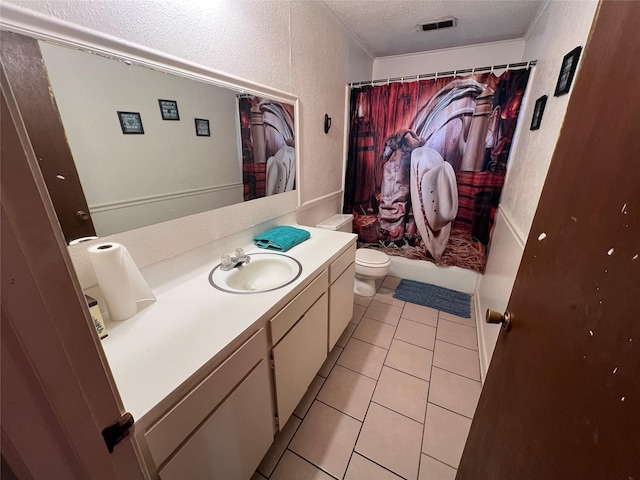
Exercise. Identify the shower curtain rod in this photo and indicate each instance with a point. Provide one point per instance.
(450, 73)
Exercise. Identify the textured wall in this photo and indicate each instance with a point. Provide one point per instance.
(297, 47)
(319, 59)
(561, 27)
(449, 59)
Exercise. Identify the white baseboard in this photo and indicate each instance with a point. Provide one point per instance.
(485, 356)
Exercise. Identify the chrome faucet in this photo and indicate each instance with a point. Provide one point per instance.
(228, 262)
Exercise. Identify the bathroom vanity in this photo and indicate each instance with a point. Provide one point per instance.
(211, 376)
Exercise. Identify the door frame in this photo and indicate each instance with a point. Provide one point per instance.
(58, 391)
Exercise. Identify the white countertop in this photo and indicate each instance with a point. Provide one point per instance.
(157, 350)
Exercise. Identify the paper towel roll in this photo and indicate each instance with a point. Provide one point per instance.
(124, 289)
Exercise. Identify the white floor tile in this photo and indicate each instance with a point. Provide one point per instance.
(292, 467)
(460, 360)
(432, 469)
(326, 438)
(402, 393)
(347, 391)
(418, 313)
(410, 359)
(374, 332)
(363, 358)
(445, 434)
(457, 334)
(391, 440)
(361, 468)
(383, 312)
(454, 392)
(416, 333)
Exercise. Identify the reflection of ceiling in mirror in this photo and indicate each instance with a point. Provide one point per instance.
(168, 171)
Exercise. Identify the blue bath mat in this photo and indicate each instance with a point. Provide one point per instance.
(450, 301)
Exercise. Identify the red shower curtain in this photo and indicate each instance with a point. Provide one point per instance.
(427, 161)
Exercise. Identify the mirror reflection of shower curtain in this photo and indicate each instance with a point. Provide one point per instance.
(426, 164)
(281, 171)
(268, 146)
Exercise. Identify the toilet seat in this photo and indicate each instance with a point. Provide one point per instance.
(368, 257)
(371, 265)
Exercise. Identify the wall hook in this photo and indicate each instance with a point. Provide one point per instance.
(327, 123)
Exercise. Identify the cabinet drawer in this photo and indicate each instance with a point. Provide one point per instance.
(289, 315)
(341, 264)
(341, 304)
(179, 422)
(233, 440)
(298, 357)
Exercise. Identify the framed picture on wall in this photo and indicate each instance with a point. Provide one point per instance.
(538, 110)
(131, 123)
(169, 109)
(567, 71)
(202, 127)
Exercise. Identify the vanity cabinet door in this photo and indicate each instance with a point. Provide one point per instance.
(341, 304)
(298, 357)
(233, 440)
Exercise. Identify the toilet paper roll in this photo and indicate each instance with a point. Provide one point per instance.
(124, 289)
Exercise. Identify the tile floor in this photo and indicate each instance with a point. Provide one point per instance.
(394, 399)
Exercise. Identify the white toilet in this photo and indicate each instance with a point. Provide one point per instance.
(371, 264)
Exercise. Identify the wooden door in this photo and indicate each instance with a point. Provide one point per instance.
(27, 75)
(562, 395)
(57, 392)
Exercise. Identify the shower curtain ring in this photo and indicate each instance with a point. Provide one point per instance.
(455, 73)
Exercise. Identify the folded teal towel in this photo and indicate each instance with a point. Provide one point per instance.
(281, 238)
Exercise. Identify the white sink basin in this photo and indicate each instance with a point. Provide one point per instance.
(265, 272)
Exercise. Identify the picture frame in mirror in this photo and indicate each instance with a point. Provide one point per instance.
(169, 109)
(131, 123)
(202, 127)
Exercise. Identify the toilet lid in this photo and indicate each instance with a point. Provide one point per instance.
(368, 256)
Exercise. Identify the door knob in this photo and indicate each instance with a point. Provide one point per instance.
(503, 318)
(82, 215)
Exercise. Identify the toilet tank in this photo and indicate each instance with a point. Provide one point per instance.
(340, 222)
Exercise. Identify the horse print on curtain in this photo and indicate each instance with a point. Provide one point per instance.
(427, 161)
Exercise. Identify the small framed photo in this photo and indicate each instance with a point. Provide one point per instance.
(538, 110)
(567, 71)
(169, 109)
(131, 123)
(202, 127)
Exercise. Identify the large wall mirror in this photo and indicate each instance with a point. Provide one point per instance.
(146, 145)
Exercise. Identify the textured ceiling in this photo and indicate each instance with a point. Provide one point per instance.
(390, 27)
